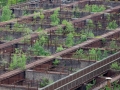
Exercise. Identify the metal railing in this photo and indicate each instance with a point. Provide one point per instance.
(83, 75)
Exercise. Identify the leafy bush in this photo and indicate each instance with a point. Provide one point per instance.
(93, 54)
(55, 17)
(18, 60)
(60, 48)
(113, 45)
(11, 2)
(112, 25)
(84, 35)
(9, 38)
(56, 62)
(59, 30)
(39, 29)
(90, 23)
(89, 85)
(43, 39)
(76, 11)
(6, 14)
(94, 8)
(69, 26)
(69, 40)
(115, 66)
(79, 54)
(83, 38)
(99, 25)
(39, 50)
(44, 82)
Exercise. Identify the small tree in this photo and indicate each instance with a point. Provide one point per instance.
(115, 66)
(83, 38)
(99, 25)
(60, 48)
(10, 2)
(56, 62)
(92, 54)
(105, 54)
(79, 54)
(39, 50)
(112, 25)
(90, 23)
(59, 30)
(35, 17)
(55, 18)
(94, 8)
(69, 26)
(44, 82)
(39, 30)
(113, 45)
(76, 12)
(6, 14)
(18, 60)
(43, 39)
(41, 16)
(69, 40)
(99, 54)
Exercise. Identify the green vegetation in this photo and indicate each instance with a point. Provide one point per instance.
(113, 45)
(10, 2)
(89, 85)
(99, 25)
(69, 26)
(76, 12)
(83, 38)
(88, 33)
(115, 66)
(26, 39)
(56, 62)
(95, 54)
(90, 23)
(43, 39)
(44, 82)
(112, 25)
(55, 18)
(59, 30)
(103, 40)
(79, 54)
(69, 40)
(6, 14)
(41, 15)
(60, 48)
(115, 86)
(9, 38)
(85, 34)
(94, 8)
(92, 54)
(19, 59)
(39, 50)
(18, 27)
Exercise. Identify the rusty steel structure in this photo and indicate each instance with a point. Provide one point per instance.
(73, 80)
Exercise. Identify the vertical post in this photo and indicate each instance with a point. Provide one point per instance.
(108, 81)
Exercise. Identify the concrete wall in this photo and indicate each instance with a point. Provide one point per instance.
(9, 88)
(38, 76)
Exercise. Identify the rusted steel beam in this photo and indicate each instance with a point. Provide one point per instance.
(54, 28)
(18, 87)
(58, 54)
(49, 58)
(31, 15)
